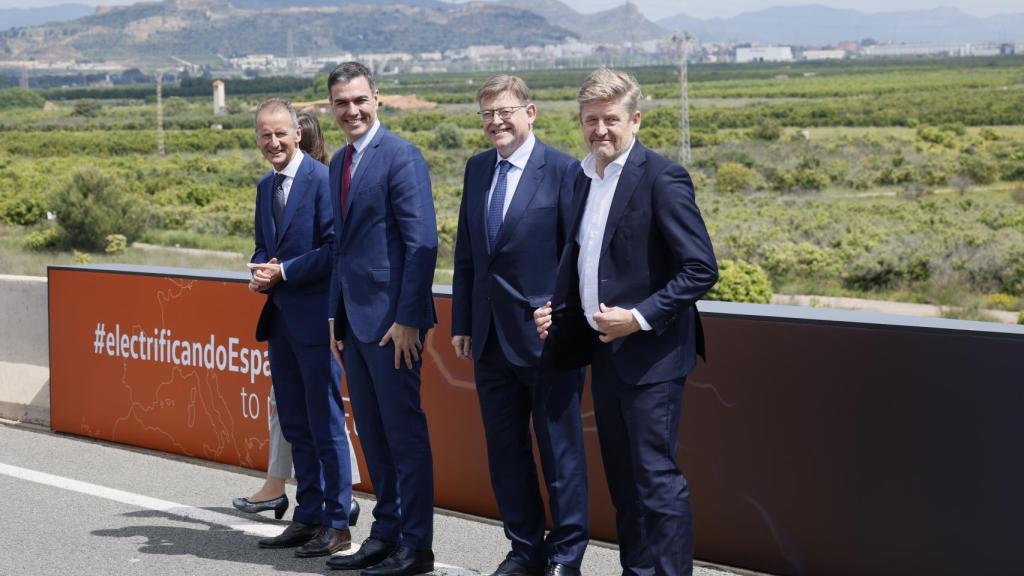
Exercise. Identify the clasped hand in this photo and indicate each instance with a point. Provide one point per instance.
(612, 323)
(265, 276)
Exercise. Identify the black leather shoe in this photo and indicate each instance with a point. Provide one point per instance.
(556, 569)
(510, 567)
(327, 542)
(353, 513)
(403, 562)
(371, 552)
(296, 534)
(279, 505)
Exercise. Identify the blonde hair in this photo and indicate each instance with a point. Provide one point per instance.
(502, 83)
(606, 84)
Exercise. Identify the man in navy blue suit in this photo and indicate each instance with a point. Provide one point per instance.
(380, 308)
(626, 301)
(513, 224)
(294, 233)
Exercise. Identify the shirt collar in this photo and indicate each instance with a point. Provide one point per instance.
(363, 141)
(293, 166)
(521, 155)
(589, 163)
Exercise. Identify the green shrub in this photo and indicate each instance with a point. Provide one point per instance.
(936, 136)
(23, 210)
(44, 239)
(81, 257)
(87, 108)
(740, 281)
(988, 134)
(1020, 318)
(735, 177)
(93, 205)
(447, 137)
(977, 168)
(116, 244)
(1001, 301)
(769, 130)
(20, 98)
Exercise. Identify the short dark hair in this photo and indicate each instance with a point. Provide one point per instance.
(348, 71)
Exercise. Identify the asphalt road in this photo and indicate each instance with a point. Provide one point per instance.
(75, 506)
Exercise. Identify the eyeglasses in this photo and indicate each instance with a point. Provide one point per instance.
(503, 113)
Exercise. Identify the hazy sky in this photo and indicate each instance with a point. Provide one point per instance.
(655, 9)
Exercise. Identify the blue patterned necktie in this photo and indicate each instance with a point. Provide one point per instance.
(278, 198)
(494, 211)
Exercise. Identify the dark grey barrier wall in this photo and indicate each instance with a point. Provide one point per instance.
(829, 442)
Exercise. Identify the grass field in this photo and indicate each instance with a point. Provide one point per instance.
(881, 179)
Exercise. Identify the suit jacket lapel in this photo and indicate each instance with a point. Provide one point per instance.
(335, 179)
(365, 165)
(480, 187)
(524, 193)
(266, 198)
(628, 180)
(295, 195)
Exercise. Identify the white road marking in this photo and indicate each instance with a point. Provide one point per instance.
(132, 499)
(181, 510)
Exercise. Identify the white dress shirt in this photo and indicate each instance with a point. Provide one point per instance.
(361, 143)
(289, 173)
(517, 161)
(591, 233)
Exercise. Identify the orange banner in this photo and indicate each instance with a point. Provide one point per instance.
(170, 363)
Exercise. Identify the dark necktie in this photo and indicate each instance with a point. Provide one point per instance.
(346, 178)
(278, 198)
(494, 211)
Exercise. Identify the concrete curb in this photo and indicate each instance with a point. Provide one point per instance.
(24, 350)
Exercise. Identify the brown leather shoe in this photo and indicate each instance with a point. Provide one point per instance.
(327, 542)
(296, 534)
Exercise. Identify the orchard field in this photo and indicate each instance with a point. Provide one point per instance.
(899, 180)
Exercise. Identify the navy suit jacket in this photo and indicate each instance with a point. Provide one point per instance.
(303, 244)
(656, 256)
(386, 248)
(518, 276)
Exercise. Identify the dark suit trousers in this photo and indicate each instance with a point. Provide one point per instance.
(392, 429)
(307, 387)
(638, 427)
(508, 396)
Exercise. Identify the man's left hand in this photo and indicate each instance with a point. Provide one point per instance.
(407, 344)
(614, 323)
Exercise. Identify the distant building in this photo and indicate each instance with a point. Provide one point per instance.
(934, 49)
(219, 101)
(764, 54)
(824, 54)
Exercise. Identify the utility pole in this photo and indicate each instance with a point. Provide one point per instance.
(159, 114)
(684, 105)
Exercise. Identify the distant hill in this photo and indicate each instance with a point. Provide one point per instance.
(818, 25)
(18, 17)
(278, 4)
(202, 29)
(616, 25)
